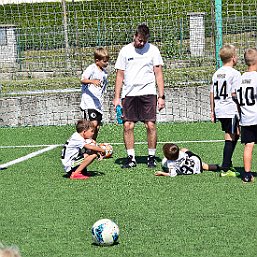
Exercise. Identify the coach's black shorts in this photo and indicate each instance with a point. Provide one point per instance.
(92, 114)
(249, 134)
(229, 125)
(139, 108)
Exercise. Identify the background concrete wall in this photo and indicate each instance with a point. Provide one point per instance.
(182, 104)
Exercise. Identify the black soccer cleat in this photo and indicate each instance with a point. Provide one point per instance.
(151, 161)
(129, 163)
(247, 177)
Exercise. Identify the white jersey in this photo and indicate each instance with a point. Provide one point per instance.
(72, 149)
(224, 82)
(138, 64)
(92, 96)
(184, 165)
(247, 98)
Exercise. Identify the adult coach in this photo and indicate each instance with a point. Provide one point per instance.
(139, 69)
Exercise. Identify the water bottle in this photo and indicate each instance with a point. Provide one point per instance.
(119, 114)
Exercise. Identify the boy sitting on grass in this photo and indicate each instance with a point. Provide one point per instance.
(80, 150)
(182, 162)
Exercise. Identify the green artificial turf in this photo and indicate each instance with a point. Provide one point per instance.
(45, 214)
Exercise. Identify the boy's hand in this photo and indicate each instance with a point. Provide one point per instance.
(158, 173)
(96, 82)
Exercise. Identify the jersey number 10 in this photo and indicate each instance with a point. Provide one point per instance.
(248, 96)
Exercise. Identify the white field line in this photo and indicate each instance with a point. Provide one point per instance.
(28, 156)
(51, 147)
(136, 143)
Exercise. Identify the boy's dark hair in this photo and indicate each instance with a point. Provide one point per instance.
(171, 151)
(143, 30)
(83, 125)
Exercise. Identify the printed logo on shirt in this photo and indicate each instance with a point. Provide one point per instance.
(93, 115)
(130, 59)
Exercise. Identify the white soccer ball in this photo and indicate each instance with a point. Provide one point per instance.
(105, 232)
(108, 149)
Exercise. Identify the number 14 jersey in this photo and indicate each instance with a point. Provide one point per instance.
(247, 98)
(224, 82)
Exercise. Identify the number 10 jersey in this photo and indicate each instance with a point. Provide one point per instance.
(247, 98)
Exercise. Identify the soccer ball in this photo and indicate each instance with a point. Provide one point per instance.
(108, 149)
(105, 232)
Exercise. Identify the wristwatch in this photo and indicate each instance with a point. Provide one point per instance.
(162, 97)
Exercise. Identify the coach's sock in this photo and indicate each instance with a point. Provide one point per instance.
(151, 151)
(227, 154)
(132, 153)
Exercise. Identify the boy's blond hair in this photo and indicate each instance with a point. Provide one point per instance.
(227, 52)
(170, 151)
(101, 53)
(250, 56)
(84, 125)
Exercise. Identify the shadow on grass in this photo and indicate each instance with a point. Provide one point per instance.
(139, 160)
(88, 173)
(241, 170)
(97, 245)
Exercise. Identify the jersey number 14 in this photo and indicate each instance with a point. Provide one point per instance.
(222, 92)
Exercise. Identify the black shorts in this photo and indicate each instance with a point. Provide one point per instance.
(249, 134)
(230, 125)
(92, 114)
(139, 108)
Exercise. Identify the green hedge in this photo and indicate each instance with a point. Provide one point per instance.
(91, 23)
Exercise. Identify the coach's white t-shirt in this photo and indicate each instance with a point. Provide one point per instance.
(92, 96)
(224, 82)
(247, 98)
(137, 64)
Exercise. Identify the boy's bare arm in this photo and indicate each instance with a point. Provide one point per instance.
(94, 148)
(161, 173)
(96, 82)
(234, 97)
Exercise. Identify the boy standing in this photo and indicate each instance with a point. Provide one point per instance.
(224, 83)
(182, 162)
(247, 101)
(94, 84)
(80, 151)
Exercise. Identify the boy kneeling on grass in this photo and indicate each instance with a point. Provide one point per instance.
(182, 162)
(80, 150)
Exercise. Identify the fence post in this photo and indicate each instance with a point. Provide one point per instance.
(218, 41)
(197, 33)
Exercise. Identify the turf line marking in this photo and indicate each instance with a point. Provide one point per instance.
(113, 143)
(28, 156)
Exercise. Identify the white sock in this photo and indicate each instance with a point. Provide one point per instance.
(151, 151)
(131, 152)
